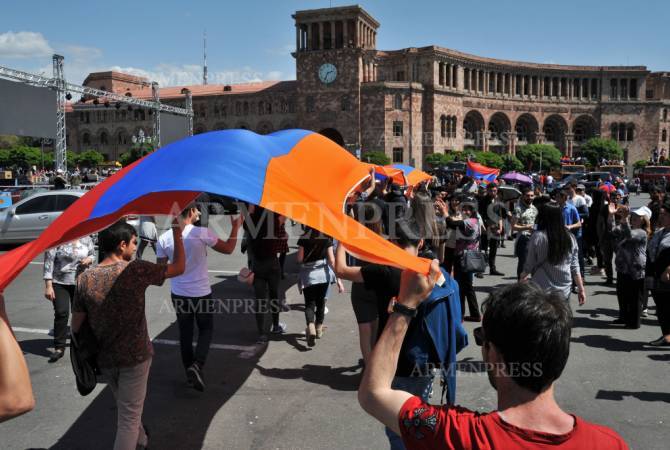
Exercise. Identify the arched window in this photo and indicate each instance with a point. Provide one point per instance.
(245, 107)
(397, 101)
(268, 108)
(622, 132)
(452, 128)
(103, 138)
(630, 132)
(238, 108)
(665, 113)
(664, 135)
(86, 139)
(443, 126)
(615, 131)
(261, 108)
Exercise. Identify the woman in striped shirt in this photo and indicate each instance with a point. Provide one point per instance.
(552, 255)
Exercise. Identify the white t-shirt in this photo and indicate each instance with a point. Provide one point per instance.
(194, 282)
(578, 201)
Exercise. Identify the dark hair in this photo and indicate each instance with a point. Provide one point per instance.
(531, 330)
(490, 186)
(110, 238)
(186, 211)
(407, 233)
(526, 189)
(550, 220)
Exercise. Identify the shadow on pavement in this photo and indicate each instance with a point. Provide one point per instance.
(176, 415)
(644, 396)
(337, 378)
(609, 343)
(659, 357)
(39, 347)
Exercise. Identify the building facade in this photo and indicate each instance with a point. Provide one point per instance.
(407, 103)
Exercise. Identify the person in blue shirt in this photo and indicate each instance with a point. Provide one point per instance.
(573, 223)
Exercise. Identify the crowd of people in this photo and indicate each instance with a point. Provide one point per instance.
(460, 225)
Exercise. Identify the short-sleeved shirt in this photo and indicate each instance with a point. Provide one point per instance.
(425, 426)
(112, 297)
(194, 282)
(525, 215)
(571, 217)
(315, 248)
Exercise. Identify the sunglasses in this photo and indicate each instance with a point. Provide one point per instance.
(478, 333)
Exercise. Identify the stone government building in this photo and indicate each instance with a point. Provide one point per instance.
(407, 103)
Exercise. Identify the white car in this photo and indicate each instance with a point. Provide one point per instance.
(28, 218)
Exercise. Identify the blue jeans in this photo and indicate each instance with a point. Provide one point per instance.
(419, 386)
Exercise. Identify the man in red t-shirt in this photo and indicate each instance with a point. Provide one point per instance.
(525, 341)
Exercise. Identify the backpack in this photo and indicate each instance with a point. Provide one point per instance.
(440, 335)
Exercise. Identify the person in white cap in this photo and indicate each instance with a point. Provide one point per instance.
(633, 230)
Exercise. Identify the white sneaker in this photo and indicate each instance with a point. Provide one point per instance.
(325, 310)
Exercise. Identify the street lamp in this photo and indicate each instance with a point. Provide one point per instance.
(141, 139)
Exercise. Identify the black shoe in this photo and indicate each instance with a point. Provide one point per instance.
(56, 355)
(194, 377)
(479, 275)
(495, 272)
(618, 322)
(660, 342)
(609, 282)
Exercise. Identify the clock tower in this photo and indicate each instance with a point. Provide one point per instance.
(335, 52)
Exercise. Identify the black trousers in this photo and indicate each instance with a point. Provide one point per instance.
(143, 246)
(449, 257)
(494, 242)
(315, 302)
(200, 311)
(64, 295)
(607, 250)
(662, 300)
(267, 275)
(466, 289)
(521, 251)
(630, 294)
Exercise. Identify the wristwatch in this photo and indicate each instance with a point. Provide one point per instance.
(395, 307)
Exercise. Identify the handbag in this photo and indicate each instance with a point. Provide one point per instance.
(83, 355)
(473, 261)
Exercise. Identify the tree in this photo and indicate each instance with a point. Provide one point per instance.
(89, 158)
(512, 164)
(4, 158)
(640, 164)
(597, 149)
(25, 157)
(531, 154)
(489, 159)
(138, 151)
(435, 160)
(378, 158)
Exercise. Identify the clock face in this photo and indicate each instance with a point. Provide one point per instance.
(327, 73)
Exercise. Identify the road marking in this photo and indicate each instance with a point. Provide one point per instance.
(36, 263)
(246, 351)
(30, 330)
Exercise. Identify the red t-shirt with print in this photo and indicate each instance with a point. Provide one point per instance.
(425, 426)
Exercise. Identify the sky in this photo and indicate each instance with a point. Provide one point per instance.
(251, 40)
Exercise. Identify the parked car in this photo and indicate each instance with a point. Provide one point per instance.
(28, 218)
(591, 179)
(577, 177)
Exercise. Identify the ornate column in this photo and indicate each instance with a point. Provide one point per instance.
(309, 37)
(570, 139)
(511, 143)
(297, 38)
(523, 86)
(321, 40)
(345, 37)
